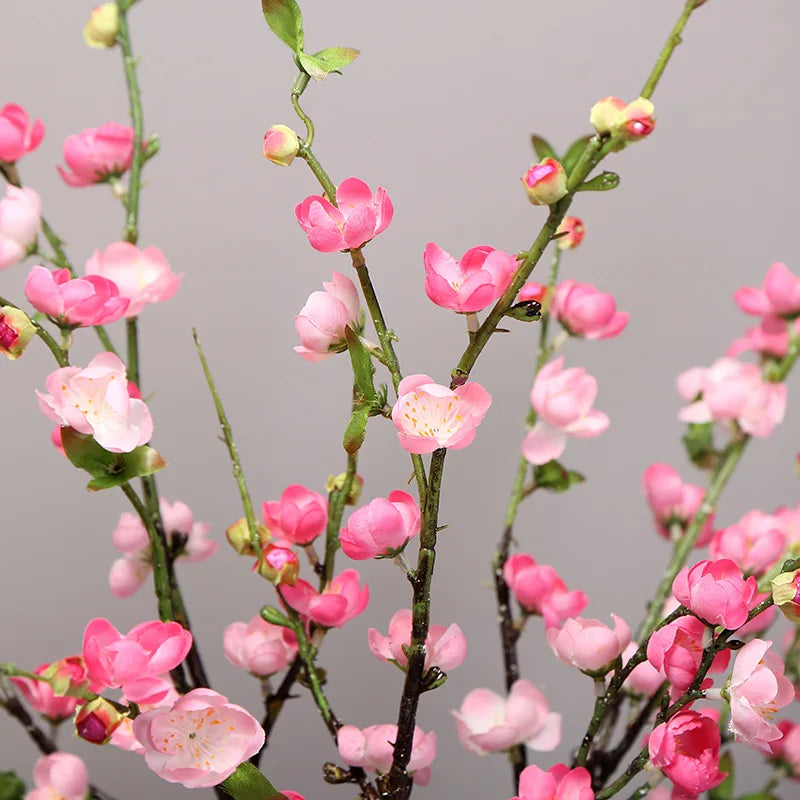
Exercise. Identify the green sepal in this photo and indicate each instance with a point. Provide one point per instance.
(356, 430)
(433, 679)
(275, 617)
(600, 183)
(11, 787)
(363, 368)
(106, 468)
(574, 153)
(331, 59)
(699, 443)
(249, 783)
(542, 147)
(555, 477)
(286, 21)
(725, 790)
(302, 678)
(525, 311)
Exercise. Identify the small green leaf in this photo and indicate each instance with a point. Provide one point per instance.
(334, 58)
(542, 147)
(555, 477)
(525, 311)
(574, 153)
(316, 69)
(249, 783)
(275, 617)
(11, 787)
(699, 442)
(725, 790)
(356, 430)
(600, 183)
(286, 21)
(363, 368)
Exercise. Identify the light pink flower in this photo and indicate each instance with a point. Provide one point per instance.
(472, 283)
(147, 651)
(445, 648)
(92, 300)
(96, 154)
(17, 135)
(532, 291)
(674, 502)
(341, 600)
(644, 679)
(258, 646)
(162, 693)
(762, 621)
(539, 589)
(558, 783)
(732, 390)
(786, 750)
(545, 182)
(769, 338)
(298, 517)
(588, 644)
(779, 297)
(790, 521)
(574, 229)
(321, 321)
(95, 400)
(39, 694)
(143, 276)
(372, 748)
(200, 740)
(20, 222)
(360, 216)
(757, 689)
(754, 544)
(584, 311)
(686, 748)
(716, 591)
(563, 402)
(383, 525)
(62, 776)
(488, 723)
(428, 416)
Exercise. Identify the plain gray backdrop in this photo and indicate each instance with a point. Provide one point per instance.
(438, 109)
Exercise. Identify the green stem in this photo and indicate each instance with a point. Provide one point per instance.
(132, 339)
(336, 503)
(300, 84)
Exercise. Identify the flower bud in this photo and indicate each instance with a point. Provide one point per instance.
(103, 25)
(281, 145)
(337, 481)
(611, 117)
(279, 565)
(545, 182)
(16, 330)
(238, 536)
(786, 594)
(639, 120)
(607, 115)
(573, 230)
(97, 720)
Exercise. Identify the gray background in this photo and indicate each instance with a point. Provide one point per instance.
(438, 110)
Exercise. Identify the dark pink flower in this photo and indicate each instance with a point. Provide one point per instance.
(585, 312)
(96, 154)
(298, 517)
(17, 135)
(40, 695)
(779, 297)
(341, 600)
(383, 525)
(754, 544)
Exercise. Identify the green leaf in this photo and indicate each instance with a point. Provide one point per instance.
(542, 147)
(106, 468)
(525, 311)
(725, 790)
(286, 21)
(315, 68)
(600, 183)
(699, 442)
(11, 787)
(249, 783)
(574, 153)
(356, 430)
(334, 58)
(363, 368)
(555, 477)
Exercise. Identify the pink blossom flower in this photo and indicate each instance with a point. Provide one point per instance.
(59, 775)
(545, 182)
(757, 689)
(143, 276)
(584, 311)
(574, 231)
(259, 647)
(558, 783)
(281, 145)
(372, 748)
(147, 651)
(164, 694)
(716, 591)
(39, 694)
(762, 621)
(383, 525)
(786, 750)
(445, 648)
(130, 538)
(341, 600)
(644, 679)
(674, 502)
(428, 416)
(96, 154)
(359, 217)
(17, 135)
(472, 283)
(20, 222)
(563, 402)
(322, 320)
(539, 589)
(198, 741)
(588, 644)
(732, 390)
(532, 291)
(93, 300)
(95, 400)
(770, 338)
(790, 520)
(754, 544)
(298, 517)
(686, 748)
(488, 723)
(779, 297)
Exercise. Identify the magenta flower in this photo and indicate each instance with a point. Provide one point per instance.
(96, 154)
(716, 591)
(20, 222)
(383, 525)
(372, 748)
(143, 276)
(558, 783)
(779, 297)
(757, 689)
(754, 544)
(573, 230)
(298, 517)
(545, 182)
(17, 135)
(428, 416)
(445, 648)
(198, 741)
(93, 300)
(732, 390)
(341, 600)
(539, 589)
(95, 400)
(563, 402)
(259, 647)
(585, 312)
(39, 694)
(588, 644)
(489, 723)
(472, 283)
(59, 775)
(322, 320)
(360, 216)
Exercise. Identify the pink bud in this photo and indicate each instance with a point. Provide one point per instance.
(97, 720)
(558, 783)
(277, 564)
(259, 647)
(381, 526)
(532, 291)
(70, 672)
(16, 331)
(341, 600)
(298, 517)
(588, 644)
(20, 222)
(574, 230)
(97, 154)
(17, 135)
(281, 145)
(755, 543)
(545, 182)
(584, 311)
(60, 775)
(611, 117)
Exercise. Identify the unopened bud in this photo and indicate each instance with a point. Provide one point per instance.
(238, 536)
(573, 230)
(281, 145)
(545, 182)
(611, 117)
(336, 482)
(786, 594)
(278, 565)
(16, 330)
(103, 25)
(607, 115)
(97, 720)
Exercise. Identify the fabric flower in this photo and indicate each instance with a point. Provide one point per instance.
(585, 312)
(17, 135)
(341, 600)
(779, 297)
(545, 182)
(588, 644)
(59, 775)
(558, 783)
(39, 694)
(20, 222)
(755, 543)
(259, 647)
(383, 525)
(96, 154)
(298, 517)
